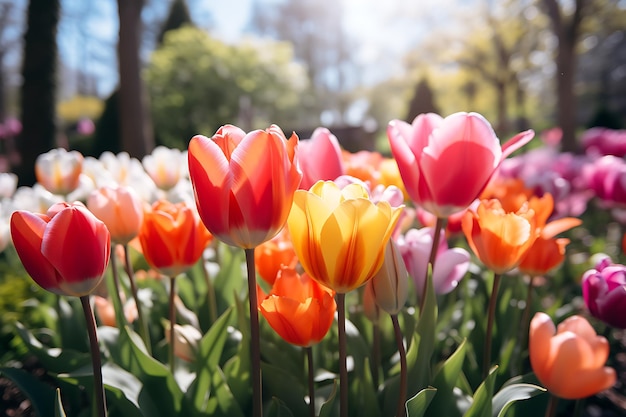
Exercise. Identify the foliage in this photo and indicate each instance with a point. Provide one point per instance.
(198, 83)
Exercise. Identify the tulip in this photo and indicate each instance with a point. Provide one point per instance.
(500, 239)
(547, 252)
(186, 341)
(172, 237)
(569, 360)
(604, 292)
(244, 183)
(390, 283)
(320, 158)
(450, 264)
(339, 235)
(271, 256)
(59, 170)
(106, 311)
(432, 155)
(65, 251)
(120, 209)
(165, 166)
(299, 309)
(363, 165)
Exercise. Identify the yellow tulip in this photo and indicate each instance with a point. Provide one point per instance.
(339, 234)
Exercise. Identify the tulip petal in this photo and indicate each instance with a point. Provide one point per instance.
(78, 246)
(516, 142)
(27, 232)
(541, 331)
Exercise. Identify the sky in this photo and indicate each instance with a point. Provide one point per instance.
(383, 38)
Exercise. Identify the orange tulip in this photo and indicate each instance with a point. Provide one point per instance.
(299, 309)
(547, 252)
(65, 251)
(340, 235)
(172, 237)
(511, 192)
(569, 360)
(499, 239)
(271, 256)
(120, 209)
(244, 183)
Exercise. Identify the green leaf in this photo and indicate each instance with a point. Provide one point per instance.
(417, 405)
(511, 393)
(364, 390)
(420, 375)
(237, 368)
(222, 402)
(58, 405)
(277, 408)
(55, 360)
(481, 406)
(444, 403)
(40, 394)
(228, 281)
(330, 408)
(160, 395)
(286, 387)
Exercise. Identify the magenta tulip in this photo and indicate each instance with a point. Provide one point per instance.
(604, 291)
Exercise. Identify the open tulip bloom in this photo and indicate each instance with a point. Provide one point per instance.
(446, 163)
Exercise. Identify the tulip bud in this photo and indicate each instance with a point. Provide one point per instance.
(186, 340)
(390, 284)
(370, 309)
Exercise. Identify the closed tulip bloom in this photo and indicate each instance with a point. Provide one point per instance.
(66, 251)
(451, 264)
(569, 360)
(432, 155)
(59, 170)
(390, 284)
(498, 238)
(244, 183)
(320, 158)
(604, 292)
(299, 309)
(186, 341)
(120, 208)
(172, 237)
(339, 235)
(271, 256)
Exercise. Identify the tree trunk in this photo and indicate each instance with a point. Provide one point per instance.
(567, 33)
(38, 91)
(135, 124)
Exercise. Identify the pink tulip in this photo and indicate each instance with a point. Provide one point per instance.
(450, 264)
(320, 158)
(446, 163)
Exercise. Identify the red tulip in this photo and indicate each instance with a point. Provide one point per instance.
(320, 158)
(244, 183)
(66, 251)
(446, 163)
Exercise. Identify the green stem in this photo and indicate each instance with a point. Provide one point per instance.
(490, 317)
(375, 351)
(96, 361)
(343, 370)
(401, 410)
(311, 369)
(552, 406)
(433, 255)
(143, 325)
(255, 342)
(210, 291)
(523, 331)
(172, 317)
(116, 285)
(578, 407)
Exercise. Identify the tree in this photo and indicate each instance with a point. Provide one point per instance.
(567, 30)
(423, 101)
(198, 83)
(38, 91)
(177, 17)
(136, 132)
